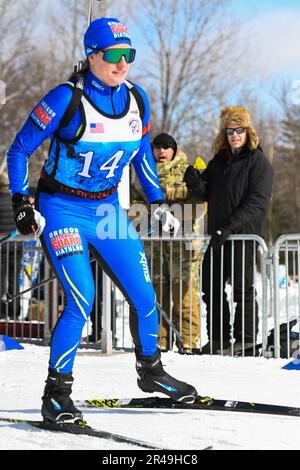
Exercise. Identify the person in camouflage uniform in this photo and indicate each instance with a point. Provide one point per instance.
(174, 266)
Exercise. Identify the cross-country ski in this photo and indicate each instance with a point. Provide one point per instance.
(83, 429)
(201, 403)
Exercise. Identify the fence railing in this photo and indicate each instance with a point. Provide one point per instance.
(285, 255)
(225, 302)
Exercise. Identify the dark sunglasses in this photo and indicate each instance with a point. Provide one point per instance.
(162, 146)
(232, 130)
(114, 56)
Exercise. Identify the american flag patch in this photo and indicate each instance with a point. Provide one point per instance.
(96, 128)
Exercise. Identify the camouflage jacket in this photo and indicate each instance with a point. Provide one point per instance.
(171, 179)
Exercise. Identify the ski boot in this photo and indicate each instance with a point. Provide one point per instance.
(153, 378)
(57, 405)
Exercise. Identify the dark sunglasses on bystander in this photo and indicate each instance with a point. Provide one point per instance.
(232, 130)
(161, 146)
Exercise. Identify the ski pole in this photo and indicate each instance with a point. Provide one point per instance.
(91, 11)
(7, 298)
(8, 237)
(90, 16)
(168, 321)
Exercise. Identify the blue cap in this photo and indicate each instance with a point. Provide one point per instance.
(103, 33)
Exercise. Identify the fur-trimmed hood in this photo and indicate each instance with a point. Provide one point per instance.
(240, 116)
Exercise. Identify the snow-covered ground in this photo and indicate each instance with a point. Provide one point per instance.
(23, 372)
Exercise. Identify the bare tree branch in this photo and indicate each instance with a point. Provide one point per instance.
(185, 72)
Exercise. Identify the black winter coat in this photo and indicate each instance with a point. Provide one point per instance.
(238, 191)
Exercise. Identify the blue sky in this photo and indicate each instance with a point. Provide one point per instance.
(259, 6)
(271, 40)
(272, 36)
(274, 27)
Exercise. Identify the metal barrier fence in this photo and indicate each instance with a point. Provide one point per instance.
(229, 303)
(22, 264)
(285, 255)
(224, 303)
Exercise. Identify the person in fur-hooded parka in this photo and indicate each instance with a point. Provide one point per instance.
(241, 117)
(237, 185)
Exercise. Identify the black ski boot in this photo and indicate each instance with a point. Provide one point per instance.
(57, 405)
(153, 378)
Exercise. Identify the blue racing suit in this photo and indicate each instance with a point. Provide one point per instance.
(77, 195)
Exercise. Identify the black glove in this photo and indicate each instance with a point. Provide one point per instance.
(191, 176)
(27, 219)
(219, 237)
(194, 182)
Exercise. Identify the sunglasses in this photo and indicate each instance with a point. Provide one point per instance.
(114, 56)
(232, 130)
(162, 146)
